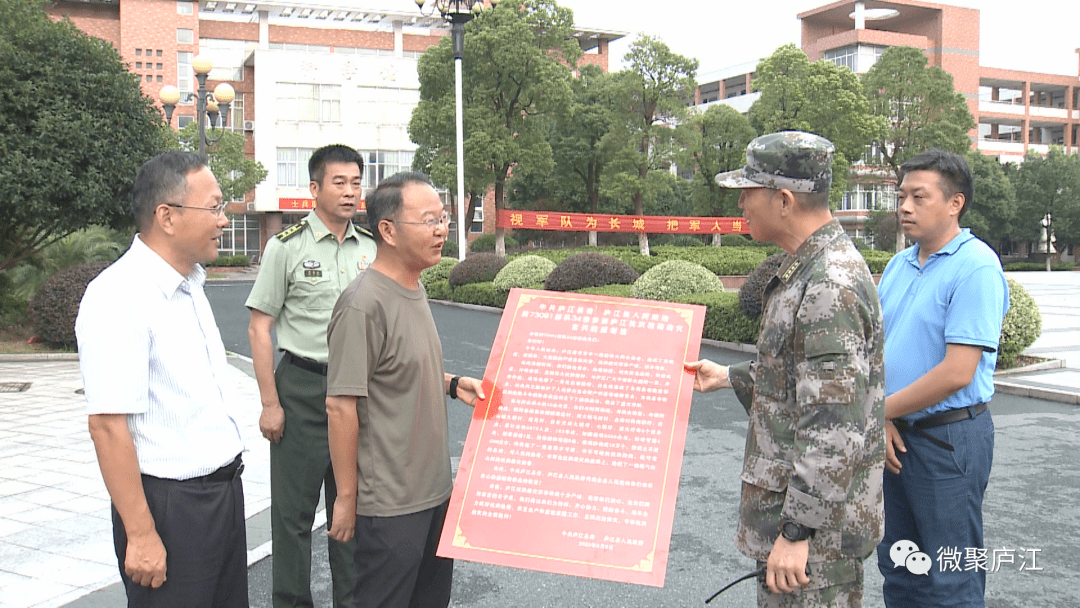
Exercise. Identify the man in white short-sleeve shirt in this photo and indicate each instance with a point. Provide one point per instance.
(153, 368)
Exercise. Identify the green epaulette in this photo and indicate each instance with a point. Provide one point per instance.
(291, 231)
(363, 231)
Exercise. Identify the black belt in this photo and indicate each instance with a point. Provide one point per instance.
(304, 363)
(228, 472)
(946, 417)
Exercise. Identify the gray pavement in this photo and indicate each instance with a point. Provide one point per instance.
(55, 541)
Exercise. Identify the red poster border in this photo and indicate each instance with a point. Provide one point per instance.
(652, 568)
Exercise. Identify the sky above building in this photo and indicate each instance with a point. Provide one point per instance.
(1030, 35)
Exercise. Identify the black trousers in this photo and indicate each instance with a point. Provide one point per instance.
(396, 566)
(201, 524)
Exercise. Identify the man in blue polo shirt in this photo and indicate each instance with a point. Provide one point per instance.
(943, 301)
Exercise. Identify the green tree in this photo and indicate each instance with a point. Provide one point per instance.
(920, 107)
(577, 141)
(74, 129)
(649, 98)
(994, 205)
(716, 142)
(236, 173)
(517, 68)
(818, 97)
(1049, 184)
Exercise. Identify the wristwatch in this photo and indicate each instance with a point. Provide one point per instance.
(795, 532)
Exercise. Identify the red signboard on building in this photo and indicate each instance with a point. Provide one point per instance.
(306, 204)
(592, 222)
(572, 463)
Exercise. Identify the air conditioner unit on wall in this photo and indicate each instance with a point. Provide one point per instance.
(249, 125)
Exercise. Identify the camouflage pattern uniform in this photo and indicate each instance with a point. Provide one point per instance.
(815, 394)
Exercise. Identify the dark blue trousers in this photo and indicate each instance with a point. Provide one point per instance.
(936, 503)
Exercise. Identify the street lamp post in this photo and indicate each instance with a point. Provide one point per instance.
(207, 107)
(458, 12)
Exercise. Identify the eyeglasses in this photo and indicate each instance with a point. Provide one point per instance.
(217, 209)
(431, 223)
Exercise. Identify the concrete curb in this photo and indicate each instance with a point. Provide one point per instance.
(38, 357)
(1037, 392)
(1034, 367)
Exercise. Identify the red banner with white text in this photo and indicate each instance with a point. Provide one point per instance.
(600, 222)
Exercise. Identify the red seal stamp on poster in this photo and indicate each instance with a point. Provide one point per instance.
(572, 464)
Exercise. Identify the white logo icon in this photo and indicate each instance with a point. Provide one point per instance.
(906, 553)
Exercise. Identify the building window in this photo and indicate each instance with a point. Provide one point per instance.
(857, 57)
(138, 53)
(183, 7)
(386, 106)
(304, 48)
(869, 197)
(236, 114)
(159, 78)
(138, 65)
(185, 74)
(183, 121)
(149, 78)
(158, 66)
(228, 56)
(185, 36)
(241, 236)
(159, 53)
(478, 219)
(309, 103)
(380, 164)
(292, 167)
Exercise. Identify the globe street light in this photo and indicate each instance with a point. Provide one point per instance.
(206, 106)
(458, 12)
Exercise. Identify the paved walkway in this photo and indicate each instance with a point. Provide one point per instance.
(55, 535)
(55, 532)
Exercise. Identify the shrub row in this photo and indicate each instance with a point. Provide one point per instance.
(54, 307)
(486, 242)
(230, 260)
(1034, 266)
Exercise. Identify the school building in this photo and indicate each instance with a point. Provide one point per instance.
(306, 74)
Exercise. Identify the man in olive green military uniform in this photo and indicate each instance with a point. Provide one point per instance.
(304, 269)
(811, 509)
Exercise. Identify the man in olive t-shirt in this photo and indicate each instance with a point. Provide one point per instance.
(386, 406)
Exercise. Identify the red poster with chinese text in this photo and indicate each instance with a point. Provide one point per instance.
(572, 464)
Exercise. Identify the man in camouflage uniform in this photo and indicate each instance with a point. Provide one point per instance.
(811, 507)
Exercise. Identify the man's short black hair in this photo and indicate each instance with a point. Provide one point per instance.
(385, 202)
(952, 169)
(334, 153)
(162, 179)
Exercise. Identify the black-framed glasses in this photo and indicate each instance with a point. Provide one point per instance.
(217, 209)
(431, 223)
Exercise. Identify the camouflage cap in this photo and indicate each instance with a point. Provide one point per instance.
(791, 160)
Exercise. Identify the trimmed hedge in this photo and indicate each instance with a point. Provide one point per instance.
(525, 271)
(477, 268)
(618, 291)
(53, 308)
(589, 269)
(438, 290)
(1021, 327)
(230, 260)
(675, 278)
(438, 272)
(449, 249)
(876, 260)
(486, 242)
(1035, 266)
(483, 294)
(724, 318)
(753, 290)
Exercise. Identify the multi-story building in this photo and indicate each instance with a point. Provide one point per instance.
(1015, 111)
(306, 74)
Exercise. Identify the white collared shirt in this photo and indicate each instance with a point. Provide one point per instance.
(149, 348)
